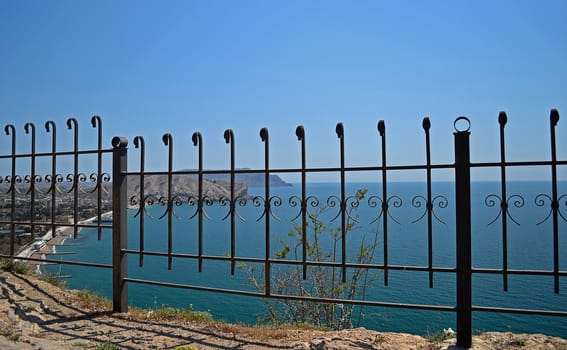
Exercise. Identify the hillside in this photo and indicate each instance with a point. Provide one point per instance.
(184, 186)
(252, 180)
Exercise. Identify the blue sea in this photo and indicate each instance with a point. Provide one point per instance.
(530, 247)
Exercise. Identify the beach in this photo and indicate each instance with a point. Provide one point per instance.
(52, 241)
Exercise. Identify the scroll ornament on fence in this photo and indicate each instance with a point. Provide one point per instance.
(223, 201)
(554, 206)
(555, 200)
(171, 200)
(54, 180)
(516, 200)
(503, 199)
(142, 200)
(419, 200)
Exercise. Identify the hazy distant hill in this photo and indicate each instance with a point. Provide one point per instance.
(185, 186)
(252, 180)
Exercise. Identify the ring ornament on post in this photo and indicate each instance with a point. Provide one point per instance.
(463, 121)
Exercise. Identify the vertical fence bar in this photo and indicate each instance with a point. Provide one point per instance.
(30, 128)
(554, 119)
(340, 134)
(119, 224)
(382, 131)
(168, 141)
(96, 122)
(463, 232)
(73, 124)
(11, 131)
(502, 120)
(426, 126)
(267, 270)
(229, 138)
(140, 143)
(300, 133)
(51, 127)
(198, 141)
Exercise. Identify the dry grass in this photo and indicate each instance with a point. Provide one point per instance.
(258, 332)
(92, 302)
(168, 313)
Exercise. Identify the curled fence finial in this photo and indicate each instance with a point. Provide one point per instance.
(29, 127)
(72, 122)
(300, 132)
(228, 135)
(426, 124)
(10, 129)
(502, 118)
(49, 125)
(96, 120)
(197, 138)
(340, 130)
(382, 128)
(554, 117)
(139, 142)
(167, 139)
(466, 123)
(264, 134)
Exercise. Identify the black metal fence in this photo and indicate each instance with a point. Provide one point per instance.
(49, 202)
(43, 197)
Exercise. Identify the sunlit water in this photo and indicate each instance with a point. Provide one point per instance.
(530, 247)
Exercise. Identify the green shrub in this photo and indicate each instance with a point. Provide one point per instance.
(16, 266)
(52, 279)
(439, 336)
(92, 300)
(107, 346)
(167, 312)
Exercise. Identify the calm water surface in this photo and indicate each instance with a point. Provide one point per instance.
(530, 247)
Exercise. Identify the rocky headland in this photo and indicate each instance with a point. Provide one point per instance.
(184, 187)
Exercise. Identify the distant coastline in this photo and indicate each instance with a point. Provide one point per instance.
(62, 232)
(250, 179)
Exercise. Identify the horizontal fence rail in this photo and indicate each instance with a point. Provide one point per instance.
(128, 190)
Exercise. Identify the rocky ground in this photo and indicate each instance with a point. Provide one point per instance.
(37, 315)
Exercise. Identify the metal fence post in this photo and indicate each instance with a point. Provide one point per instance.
(119, 224)
(463, 232)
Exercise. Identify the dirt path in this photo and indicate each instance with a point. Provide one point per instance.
(37, 315)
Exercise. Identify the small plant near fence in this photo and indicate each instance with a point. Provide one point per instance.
(93, 301)
(107, 346)
(165, 313)
(52, 279)
(323, 245)
(16, 266)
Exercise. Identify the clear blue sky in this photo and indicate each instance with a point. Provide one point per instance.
(182, 66)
